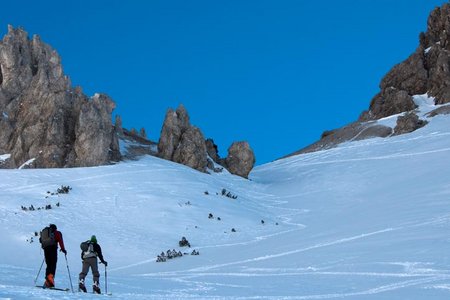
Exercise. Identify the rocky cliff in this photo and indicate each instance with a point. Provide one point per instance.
(183, 143)
(44, 121)
(425, 71)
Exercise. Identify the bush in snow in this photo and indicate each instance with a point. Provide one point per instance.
(32, 208)
(210, 216)
(228, 194)
(184, 242)
(161, 258)
(63, 189)
(170, 254)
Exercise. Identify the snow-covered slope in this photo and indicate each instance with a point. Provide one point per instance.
(366, 220)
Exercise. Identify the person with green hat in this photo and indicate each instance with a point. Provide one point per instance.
(90, 251)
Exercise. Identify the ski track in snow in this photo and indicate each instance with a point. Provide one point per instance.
(216, 278)
(432, 276)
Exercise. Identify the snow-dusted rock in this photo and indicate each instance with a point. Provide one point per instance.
(408, 123)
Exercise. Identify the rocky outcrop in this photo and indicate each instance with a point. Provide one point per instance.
(352, 132)
(45, 122)
(118, 125)
(443, 110)
(94, 133)
(408, 123)
(134, 146)
(181, 142)
(212, 151)
(191, 150)
(240, 159)
(389, 102)
(427, 70)
(42, 117)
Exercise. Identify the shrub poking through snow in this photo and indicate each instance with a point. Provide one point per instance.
(170, 254)
(228, 194)
(64, 189)
(61, 190)
(233, 230)
(32, 208)
(210, 216)
(161, 257)
(184, 242)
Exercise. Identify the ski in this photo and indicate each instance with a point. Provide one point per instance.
(53, 288)
(92, 293)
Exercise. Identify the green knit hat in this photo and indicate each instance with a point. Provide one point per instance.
(94, 239)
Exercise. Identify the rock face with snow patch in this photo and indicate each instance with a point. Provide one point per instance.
(212, 150)
(427, 70)
(353, 132)
(42, 117)
(389, 101)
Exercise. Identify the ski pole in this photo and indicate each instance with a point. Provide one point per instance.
(70, 278)
(35, 280)
(106, 281)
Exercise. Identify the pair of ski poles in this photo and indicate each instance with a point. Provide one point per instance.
(70, 278)
(68, 271)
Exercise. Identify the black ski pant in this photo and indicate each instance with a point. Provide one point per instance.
(51, 258)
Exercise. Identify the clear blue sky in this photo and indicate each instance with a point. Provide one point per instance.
(274, 73)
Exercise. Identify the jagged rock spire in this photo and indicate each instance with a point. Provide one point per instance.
(44, 119)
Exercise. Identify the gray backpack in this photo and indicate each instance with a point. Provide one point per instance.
(88, 249)
(47, 237)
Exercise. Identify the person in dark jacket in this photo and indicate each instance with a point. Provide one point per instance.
(50, 245)
(89, 260)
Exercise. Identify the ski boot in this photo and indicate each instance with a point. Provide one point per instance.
(49, 281)
(96, 288)
(81, 286)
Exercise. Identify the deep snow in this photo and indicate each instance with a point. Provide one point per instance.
(366, 220)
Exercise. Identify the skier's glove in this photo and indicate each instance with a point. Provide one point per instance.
(64, 251)
(105, 263)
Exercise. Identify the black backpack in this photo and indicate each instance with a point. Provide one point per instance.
(47, 237)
